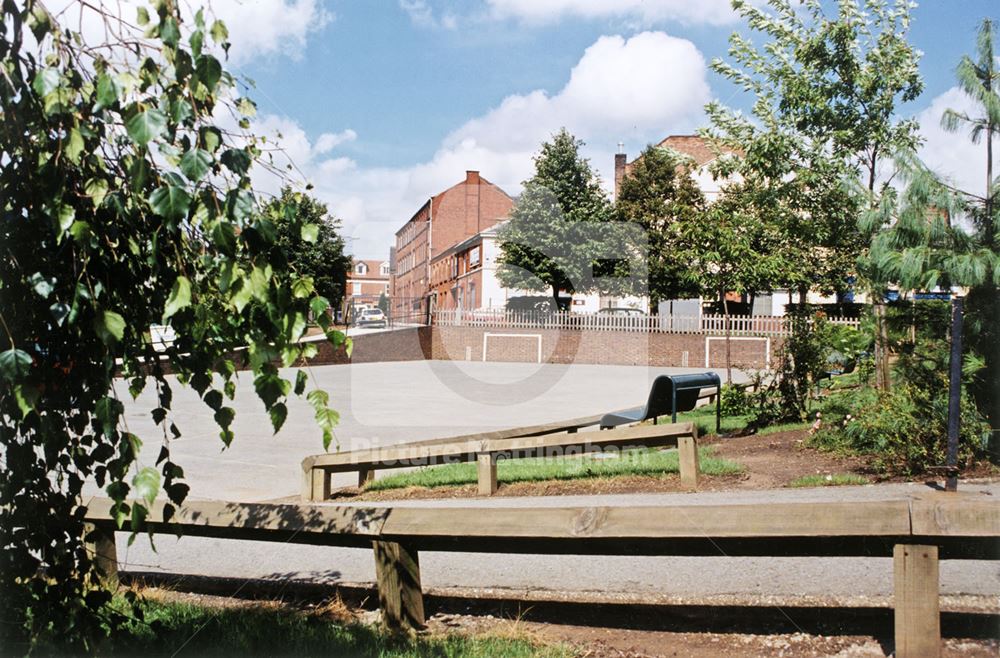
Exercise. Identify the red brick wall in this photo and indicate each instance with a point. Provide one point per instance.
(597, 347)
(460, 212)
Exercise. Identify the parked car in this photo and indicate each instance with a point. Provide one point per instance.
(621, 310)
(372, 317)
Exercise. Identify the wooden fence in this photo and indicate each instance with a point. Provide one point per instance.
(740, 325)
(550, 440)
(916, 532)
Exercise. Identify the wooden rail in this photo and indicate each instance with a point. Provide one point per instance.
(551, 440)
(916, 532)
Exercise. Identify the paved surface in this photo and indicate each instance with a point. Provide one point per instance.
(379, 404)
(387, 403)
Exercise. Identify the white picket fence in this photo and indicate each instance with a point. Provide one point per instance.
(740, 325)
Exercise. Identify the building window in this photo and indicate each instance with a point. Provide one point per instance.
(474, 256)
(385, 269)
(361, 268)
(356, 289)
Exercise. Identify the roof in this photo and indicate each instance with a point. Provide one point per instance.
(435, 201)
(374, 268)
(695, 147)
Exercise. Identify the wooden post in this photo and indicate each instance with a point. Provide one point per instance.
(400, 597)
(687, 456)
(100, 544)
(486, 466)
(365, 475)
(315, 485)
(918, 615)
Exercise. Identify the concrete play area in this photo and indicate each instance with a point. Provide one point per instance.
(379, 404)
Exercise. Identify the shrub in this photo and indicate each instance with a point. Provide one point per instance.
(905, 430)
(735, 401)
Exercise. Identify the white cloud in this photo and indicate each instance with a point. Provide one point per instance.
(423, 15)
(647, 12)
(257, 28)
(953, 155)
(269, 27)
(328, 141)
(639, 89)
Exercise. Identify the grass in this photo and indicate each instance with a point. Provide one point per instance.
(632, 462)
(833, 480)
(190, 629)
(704, 418)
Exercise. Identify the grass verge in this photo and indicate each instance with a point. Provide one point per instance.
(646, 461)
(171, 627)
(833, 480)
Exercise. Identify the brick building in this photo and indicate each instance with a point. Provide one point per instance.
(692, 146)
(428, 259)
(368, 278)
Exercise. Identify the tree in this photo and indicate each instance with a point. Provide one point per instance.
(661, 197)
(919, 241)
(560, 230)
(123, 205)
(832, 87)
(733, 249)
(320, 252)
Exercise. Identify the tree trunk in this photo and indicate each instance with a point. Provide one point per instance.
(729, 343)
(555, 297)
(883, 381)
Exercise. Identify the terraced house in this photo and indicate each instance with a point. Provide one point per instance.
(437, 259)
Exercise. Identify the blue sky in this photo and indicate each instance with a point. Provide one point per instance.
(382, 103)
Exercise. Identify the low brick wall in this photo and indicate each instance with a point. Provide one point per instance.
(597, 347)
(552, 346)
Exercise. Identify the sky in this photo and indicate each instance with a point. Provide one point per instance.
(381, 104)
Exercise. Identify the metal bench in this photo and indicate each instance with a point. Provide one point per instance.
(670, 394)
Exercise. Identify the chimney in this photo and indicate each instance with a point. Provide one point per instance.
(472, 207)
(619, 167)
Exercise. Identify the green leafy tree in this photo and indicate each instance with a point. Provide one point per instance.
(661, 197)
(919, 240)
(123, 204)
(733, 249)
(560, 229)
(828, 89)
(318, 250)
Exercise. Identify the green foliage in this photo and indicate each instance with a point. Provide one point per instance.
(123, 205)
(919, 241)
(560, 230)
(827, 90)
(171, 627)
(905, 430)
(659, 195)
(735, 401)
(307, 238)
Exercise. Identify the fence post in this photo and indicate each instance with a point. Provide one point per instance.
(397, 570)
(486, 470)
(315, 485)
(687, 456)
(99, 541)
(915, 598)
